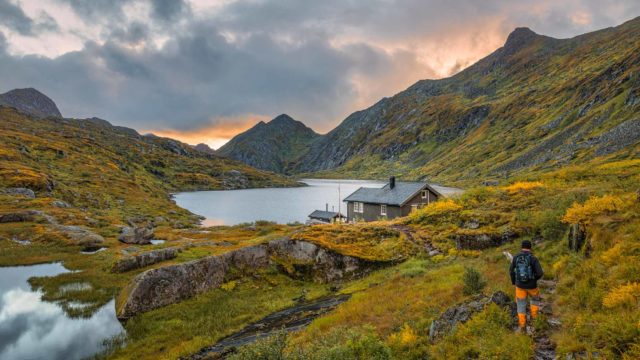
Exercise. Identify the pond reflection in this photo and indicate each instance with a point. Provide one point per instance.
(34, 329)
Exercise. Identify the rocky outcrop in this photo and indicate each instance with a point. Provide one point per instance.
(477, 240)
(301, 259)
(461, 313)
(140, 235)
(18, 192)
(144, 259)
(170, 284)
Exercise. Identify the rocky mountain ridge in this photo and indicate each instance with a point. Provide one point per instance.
(31, 102)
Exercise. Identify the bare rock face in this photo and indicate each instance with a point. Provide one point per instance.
(480, 241)
(301, 259)
(170, 284)
(30, 101)
(143, 260)
(136, 235)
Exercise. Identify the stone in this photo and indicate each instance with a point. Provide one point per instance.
(60, 204)
(18, 192)
(490, 183)
(80, 235)
(144, 259)
(463, 312)
(20, 216)
(471, 224)
(136, 235)
(162, 286)
(481, 241)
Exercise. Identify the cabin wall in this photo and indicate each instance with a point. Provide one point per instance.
(418, 200)
(372, 212)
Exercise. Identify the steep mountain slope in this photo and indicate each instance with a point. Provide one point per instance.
(92, 164)
(535, 103)
(30, 101)
(271, 146)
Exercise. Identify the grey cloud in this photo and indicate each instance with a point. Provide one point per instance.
(14, 18)
(168, 9)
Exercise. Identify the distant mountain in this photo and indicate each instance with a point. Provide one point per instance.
(535, 103)
(273, 146)
(30, 101)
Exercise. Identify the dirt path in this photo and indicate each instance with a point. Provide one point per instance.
(545, 349)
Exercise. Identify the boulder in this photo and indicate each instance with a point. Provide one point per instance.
(143, 260)
(480, 240)
(18, 192)
(80, 235)
(155, 288)
(20, 216)
(136, 235)
(60, 204)
(461, 313)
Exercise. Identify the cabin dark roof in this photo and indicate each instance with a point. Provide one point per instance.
(398, 196)
(325, 215)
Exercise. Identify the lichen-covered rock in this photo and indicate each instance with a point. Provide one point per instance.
(144, 259)
(18, 192)
(136, 235)
(461, 313)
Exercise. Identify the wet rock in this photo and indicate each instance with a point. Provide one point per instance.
(577, 237)
(461, 313)
(136, 235)
(144, 259)
(18, 192)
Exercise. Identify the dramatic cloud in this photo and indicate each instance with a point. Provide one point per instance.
(191, 69)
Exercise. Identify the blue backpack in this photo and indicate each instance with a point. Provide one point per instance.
(523, 269)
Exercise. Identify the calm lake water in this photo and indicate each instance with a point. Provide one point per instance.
(282, 205)
(34, 329)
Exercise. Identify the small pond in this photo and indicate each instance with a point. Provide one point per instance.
(282, 205)
(31, 328)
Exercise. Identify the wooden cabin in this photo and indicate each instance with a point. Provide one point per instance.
(393, 200)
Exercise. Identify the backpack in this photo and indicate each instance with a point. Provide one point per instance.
(523, 268)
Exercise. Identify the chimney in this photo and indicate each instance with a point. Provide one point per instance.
(392, 182)
(326, 206)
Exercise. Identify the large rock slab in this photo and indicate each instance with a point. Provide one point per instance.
(170, 284)
(144, 259)
(28, 193)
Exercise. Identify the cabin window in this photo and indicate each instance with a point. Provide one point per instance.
(424, 194)
(383, 210)
(358, 207)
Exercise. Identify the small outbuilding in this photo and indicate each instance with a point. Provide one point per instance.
(326, 217)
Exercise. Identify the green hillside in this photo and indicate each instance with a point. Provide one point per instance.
(536, 103)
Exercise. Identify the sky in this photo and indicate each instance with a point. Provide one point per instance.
(203, 71)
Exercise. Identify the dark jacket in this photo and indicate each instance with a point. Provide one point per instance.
(535, 266)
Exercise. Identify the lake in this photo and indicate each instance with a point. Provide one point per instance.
(282, 205)
(31, 328)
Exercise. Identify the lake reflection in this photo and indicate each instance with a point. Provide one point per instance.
(282, 205)
(34, 329)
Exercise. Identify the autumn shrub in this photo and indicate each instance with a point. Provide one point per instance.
(436, 212)
(595, 206)
(623, 296)
(270, 348)
(341, 343)
(523, 187)
(473, 281)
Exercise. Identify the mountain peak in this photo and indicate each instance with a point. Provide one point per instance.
(518, 38)
(30, 101)
(282, 118)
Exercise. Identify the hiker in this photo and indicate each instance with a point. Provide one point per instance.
(525, 271)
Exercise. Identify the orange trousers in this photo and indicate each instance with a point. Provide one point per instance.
(521, 302)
